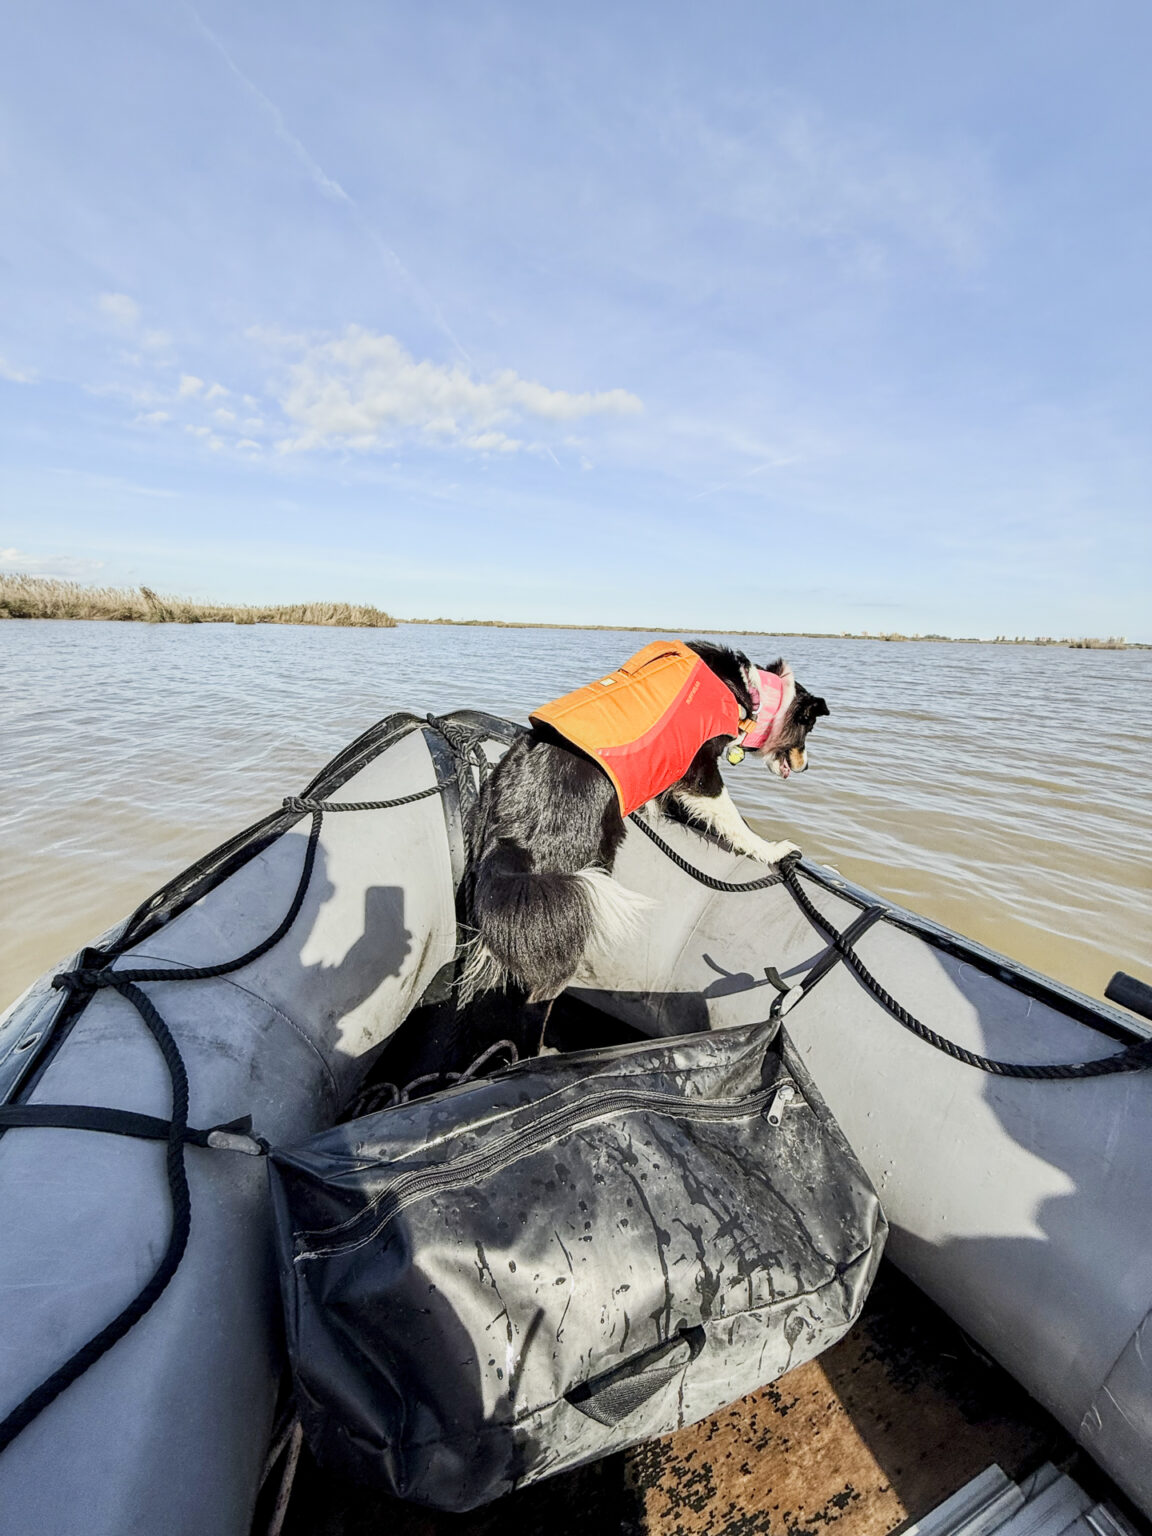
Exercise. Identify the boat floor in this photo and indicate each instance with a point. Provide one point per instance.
(880, 1430)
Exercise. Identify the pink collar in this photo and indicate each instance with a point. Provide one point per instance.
(766, 702)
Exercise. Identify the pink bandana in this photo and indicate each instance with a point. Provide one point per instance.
(766, 702)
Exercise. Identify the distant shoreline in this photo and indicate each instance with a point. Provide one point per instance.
(1079, 643)
(39, 597)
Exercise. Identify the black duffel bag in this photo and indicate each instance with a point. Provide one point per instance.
(528, 1271)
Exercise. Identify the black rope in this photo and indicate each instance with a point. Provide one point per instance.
(1134, 1058)
(383, 1096)
(39, 1398)
(300, 805)
(698, 874)
(175, 1132)
(467, 746)
(466, 741)
(86, 981)
(828, 961)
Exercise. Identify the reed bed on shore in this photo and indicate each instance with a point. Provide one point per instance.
(41, 597)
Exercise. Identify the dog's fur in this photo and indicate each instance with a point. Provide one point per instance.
(543, 895)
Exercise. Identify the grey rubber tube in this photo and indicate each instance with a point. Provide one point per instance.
(1023, 1208)
(167, 1433)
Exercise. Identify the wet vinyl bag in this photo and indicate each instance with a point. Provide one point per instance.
(520, 1274)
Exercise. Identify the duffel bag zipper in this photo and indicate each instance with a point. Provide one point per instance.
(422, 1183)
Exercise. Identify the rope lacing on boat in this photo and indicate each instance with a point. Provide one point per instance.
(83, 982)
(1134, 1058)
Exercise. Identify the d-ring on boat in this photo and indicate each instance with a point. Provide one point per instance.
(246, 1002)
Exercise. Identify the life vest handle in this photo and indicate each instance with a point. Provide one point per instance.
(657, 651)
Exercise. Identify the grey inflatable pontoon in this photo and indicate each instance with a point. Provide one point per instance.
(1022, 1207)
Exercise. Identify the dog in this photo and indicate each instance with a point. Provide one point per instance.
(543, 896)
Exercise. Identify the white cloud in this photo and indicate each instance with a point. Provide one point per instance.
(154, 418)
(215, 392)
(120, 308)
(488, 442)
(246, 442)
(189, 385)
(199, 431)
(363, 390)
(224, 416)
(63, 567)
(15, 375)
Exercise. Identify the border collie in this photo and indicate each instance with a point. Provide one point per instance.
(543, 895)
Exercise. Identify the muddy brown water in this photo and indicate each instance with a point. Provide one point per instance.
(1004, 790)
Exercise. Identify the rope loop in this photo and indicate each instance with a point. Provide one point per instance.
(466, 741)
(725, 886)
(181, 1208)
(83, 982)
(1134, 1058)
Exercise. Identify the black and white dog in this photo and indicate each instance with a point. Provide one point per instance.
(543, 895)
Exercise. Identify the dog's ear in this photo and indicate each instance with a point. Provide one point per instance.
(808, 707)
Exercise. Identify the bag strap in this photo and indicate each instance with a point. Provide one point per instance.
(233, 1136)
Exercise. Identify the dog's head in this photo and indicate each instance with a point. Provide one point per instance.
(782, 740)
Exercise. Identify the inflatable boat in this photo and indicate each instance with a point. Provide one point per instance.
(1004, 1119)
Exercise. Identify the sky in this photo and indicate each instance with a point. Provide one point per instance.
(752, 316)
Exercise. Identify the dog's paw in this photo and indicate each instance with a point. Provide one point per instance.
(772, 853)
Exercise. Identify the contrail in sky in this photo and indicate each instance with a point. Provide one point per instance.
(757, 469)
(324, 183)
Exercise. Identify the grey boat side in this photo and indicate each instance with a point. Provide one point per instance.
(1022, 1208)
(1117, 1023)
(168, 1431)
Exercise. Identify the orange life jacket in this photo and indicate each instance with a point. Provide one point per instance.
(645, 722)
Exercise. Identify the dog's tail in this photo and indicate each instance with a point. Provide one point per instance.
(534, 927)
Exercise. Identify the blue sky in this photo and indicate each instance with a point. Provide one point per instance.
(830, 316)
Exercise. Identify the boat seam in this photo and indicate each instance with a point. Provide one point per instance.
(334, 1086)
(298, 1029)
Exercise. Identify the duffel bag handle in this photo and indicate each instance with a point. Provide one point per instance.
(615, 1394)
